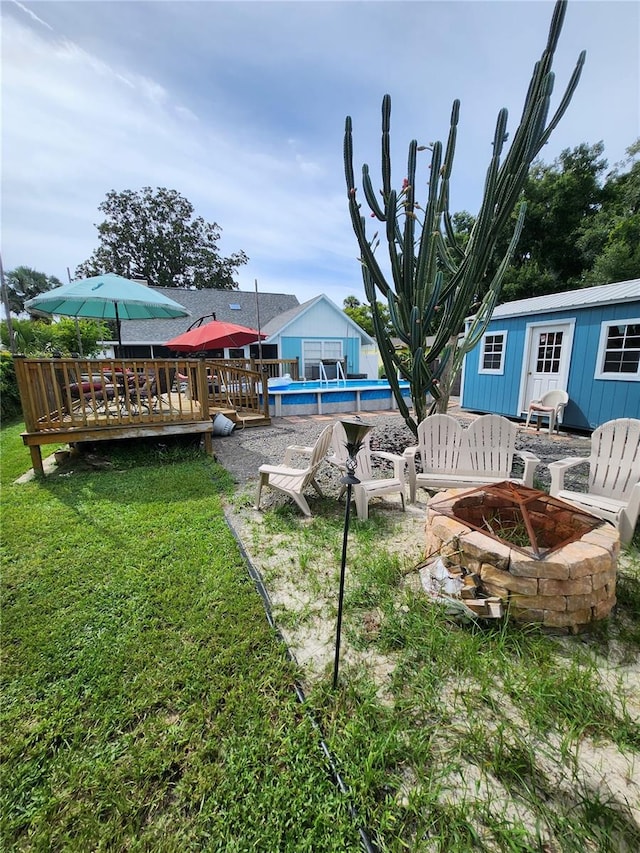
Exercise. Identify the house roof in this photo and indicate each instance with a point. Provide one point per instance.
(278, 324)
(586, 297)
(199, 303)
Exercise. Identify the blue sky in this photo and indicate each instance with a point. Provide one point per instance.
(240, 107)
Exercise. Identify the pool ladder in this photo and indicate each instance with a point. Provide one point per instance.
(339, 373)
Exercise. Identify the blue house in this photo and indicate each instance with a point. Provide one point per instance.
(314, 332)
(318, 331)
(586, 342)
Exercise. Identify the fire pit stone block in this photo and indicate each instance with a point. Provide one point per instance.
(564, 590)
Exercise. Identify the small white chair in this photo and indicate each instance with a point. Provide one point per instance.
(613, 492)
(550, 405)
(291, 480)
(369, 486)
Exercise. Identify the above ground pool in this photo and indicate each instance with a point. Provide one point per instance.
(321, 397)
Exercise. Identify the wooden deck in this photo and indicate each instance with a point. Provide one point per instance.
(75, 400)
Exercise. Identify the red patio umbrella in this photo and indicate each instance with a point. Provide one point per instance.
(216, 334)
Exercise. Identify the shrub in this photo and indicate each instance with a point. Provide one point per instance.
(10, 407)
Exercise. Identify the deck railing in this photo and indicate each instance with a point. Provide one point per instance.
(274, 367)
(78, 399)
(69, 393)
(90, 393)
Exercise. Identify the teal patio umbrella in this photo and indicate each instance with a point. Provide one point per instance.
(107, 297)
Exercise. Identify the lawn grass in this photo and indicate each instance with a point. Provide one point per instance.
(486, 736)
(148, 705)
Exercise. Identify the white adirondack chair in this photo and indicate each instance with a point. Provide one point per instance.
(453, 457)
(551, 405)
(614, 476)
(370, 486)
(291, 480)
(490, 443)
(438, 446)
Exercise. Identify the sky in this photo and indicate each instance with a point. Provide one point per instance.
(240, 107)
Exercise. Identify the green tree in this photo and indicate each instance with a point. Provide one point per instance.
(24, 283)
(562, 199)
(433, 280)
(361, 314)
(154, 235)
(610, 241)
(42, 337)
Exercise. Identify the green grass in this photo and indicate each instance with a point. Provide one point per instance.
(146, 703)
(472, 739)
(148, 706)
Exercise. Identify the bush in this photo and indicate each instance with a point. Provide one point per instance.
(10, 407)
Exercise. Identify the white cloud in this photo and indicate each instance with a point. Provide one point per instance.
(240, 107)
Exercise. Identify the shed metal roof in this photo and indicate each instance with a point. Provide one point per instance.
(586, 297)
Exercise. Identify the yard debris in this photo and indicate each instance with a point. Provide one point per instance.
(459, 590)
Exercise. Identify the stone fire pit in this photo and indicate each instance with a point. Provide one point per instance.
(547, 561)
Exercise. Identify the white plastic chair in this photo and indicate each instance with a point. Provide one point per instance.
(453, 457)
(292, 481)
(370, 486)
(438, 446)
(551, 405)
(490, 443)
(613, 491)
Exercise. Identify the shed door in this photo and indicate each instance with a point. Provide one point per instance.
(548, 360)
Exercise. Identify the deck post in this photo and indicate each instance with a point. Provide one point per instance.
(36, 459)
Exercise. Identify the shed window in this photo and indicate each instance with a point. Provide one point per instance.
(619, 352)
(492, 357)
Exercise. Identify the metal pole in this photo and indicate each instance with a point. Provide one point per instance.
(7, 309)
(258, 319)
(336, 662)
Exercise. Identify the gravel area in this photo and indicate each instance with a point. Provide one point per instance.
(243, 451)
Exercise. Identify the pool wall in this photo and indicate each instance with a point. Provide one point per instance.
(349, 396)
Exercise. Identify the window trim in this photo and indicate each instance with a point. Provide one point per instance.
(304, 361)
(602, 347)
(493, 371)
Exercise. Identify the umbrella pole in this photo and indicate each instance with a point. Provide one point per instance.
(79, 337)
(119, 329)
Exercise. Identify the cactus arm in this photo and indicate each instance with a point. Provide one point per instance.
(386, 146)
(429, 267)
(369, 194)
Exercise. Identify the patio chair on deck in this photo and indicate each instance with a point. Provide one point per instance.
(155, 386)
(613, 492)
(291, 480)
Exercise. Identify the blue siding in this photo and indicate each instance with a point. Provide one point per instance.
(592, 401)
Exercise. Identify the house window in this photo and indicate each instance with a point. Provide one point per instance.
(315, 351)
(492, 356)
(619, 351)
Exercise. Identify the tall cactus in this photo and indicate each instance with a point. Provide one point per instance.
(435, 282)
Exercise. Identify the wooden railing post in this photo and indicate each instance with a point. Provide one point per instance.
(202, 388)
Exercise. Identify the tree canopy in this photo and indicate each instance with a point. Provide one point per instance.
(361, 314)
(24, 283)
(582, 227)
(153, 234)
